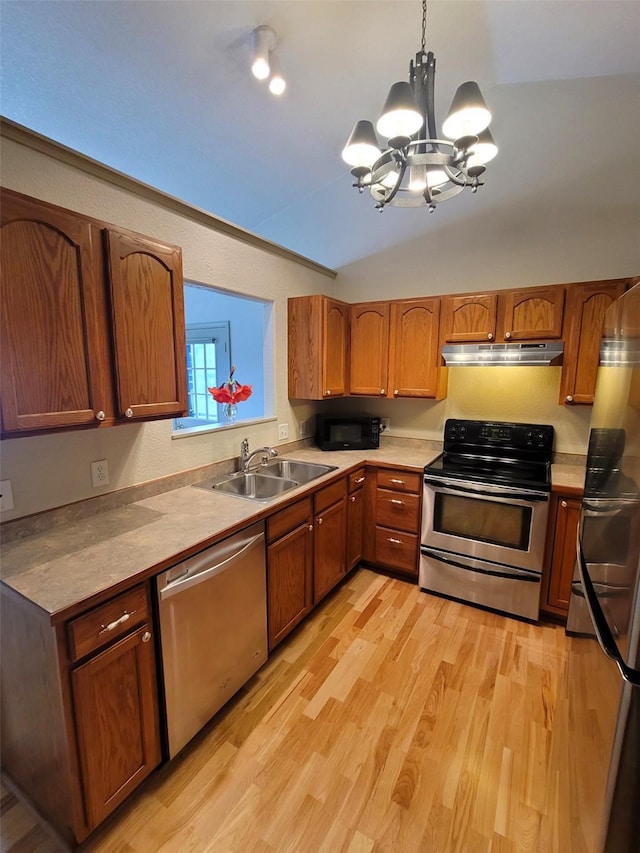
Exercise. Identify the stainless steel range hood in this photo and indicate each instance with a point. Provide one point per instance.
(514, 355)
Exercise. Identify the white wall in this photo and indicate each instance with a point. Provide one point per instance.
(53, 470)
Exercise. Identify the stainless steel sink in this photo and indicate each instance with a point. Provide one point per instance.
(269, 481)
(292, 469)
(257, 487)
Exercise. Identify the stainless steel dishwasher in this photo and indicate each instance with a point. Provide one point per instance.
(213, 629)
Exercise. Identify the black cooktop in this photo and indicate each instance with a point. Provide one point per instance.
(504, 453)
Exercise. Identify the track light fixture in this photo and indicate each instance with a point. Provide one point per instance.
(417, 169)
(265, 64)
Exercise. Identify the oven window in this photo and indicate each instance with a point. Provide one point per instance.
(483, 521)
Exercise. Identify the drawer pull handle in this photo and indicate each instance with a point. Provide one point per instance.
(359, 480)
(104, 629)
(397, 482)
(394, 541)
(146, 637)
(396, 501)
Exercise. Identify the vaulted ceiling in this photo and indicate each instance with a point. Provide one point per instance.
(162, 91)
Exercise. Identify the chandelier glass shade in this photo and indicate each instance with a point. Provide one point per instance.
(417, 169)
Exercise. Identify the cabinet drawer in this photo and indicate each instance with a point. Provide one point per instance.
(399, 481)
(329, 495)
(398, 510)
(397, 549)
(107, 622)
(288, 519)
(356, 480)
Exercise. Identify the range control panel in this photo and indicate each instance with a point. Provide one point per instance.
(498, 437)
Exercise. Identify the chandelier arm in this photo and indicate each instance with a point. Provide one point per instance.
(394, 191)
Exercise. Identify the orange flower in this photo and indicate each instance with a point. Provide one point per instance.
(231, 391)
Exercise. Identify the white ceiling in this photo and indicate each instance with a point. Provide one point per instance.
(161, 90)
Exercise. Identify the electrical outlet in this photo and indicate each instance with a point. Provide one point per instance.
(283, 431)
(6, 495)
(100, 473)
(385, 423)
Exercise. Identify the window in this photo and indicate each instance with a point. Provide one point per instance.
(222, 329)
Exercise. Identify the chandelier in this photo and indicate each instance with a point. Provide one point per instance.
(417, 169)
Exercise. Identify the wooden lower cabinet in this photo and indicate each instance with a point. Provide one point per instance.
(115, 703)
(80, 713)
(560, 560)
(355, 517)
(289, 569)
(397, 520)
(330, 538)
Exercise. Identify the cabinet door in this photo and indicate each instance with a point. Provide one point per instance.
(564, 553)
(148, 326)
(355, 516)
(55, 365)
(469, 318)
(116, 713)
(289, 581)
(369, 349)
(532, 314)
(586, 307)
(329, 564)
(414, 355)
(335, 348)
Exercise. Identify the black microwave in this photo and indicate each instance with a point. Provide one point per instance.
(334, 432)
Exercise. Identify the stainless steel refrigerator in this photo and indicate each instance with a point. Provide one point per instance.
(604, 610)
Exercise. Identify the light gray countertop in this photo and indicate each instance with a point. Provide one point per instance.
(60, 568)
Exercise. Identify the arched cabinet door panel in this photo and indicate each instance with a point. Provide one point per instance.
(54, 369)
(145, 279)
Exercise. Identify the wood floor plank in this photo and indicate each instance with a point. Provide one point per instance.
(391, 721)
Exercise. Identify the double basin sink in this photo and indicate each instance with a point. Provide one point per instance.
(270, 480)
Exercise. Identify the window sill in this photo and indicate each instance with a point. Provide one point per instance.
(189, 432)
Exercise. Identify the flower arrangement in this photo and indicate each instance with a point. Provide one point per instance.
(231, 391)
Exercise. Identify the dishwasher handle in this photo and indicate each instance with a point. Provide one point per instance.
(208, 571)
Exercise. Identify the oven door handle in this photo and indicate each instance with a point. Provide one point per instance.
(603, 632)
(452, 489)
(522, 574)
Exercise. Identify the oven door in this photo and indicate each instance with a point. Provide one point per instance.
(501, 524)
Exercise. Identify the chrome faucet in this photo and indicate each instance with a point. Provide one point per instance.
(246, 457)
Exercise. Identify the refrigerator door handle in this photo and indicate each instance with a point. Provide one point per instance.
(603, 632)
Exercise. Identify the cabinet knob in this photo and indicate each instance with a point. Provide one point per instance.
(568, 399)
(490, 336)
(310, 528)
(128, 413)
(352, 499)
(395, 392)
(327, 393)
(507, 336)
(100, 416)
(563, 504)
(382, 392)
(146, 637)
(319, 520)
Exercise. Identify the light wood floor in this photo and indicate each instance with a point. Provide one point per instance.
(391, 720)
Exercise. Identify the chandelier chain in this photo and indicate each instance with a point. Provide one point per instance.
(424, 24)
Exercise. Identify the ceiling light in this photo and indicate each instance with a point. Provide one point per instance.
(415, 168)
(277, 83)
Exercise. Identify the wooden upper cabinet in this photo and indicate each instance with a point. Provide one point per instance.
(145, 279)
(531, 314)
(414, 348)
(469, 318)
(318, 336)
(587, 304)
(92, 321)
(55, 362)
(369, 346)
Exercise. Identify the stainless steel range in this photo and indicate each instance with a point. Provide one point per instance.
(484, 515)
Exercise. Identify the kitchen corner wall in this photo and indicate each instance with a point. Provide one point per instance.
(53, 470)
